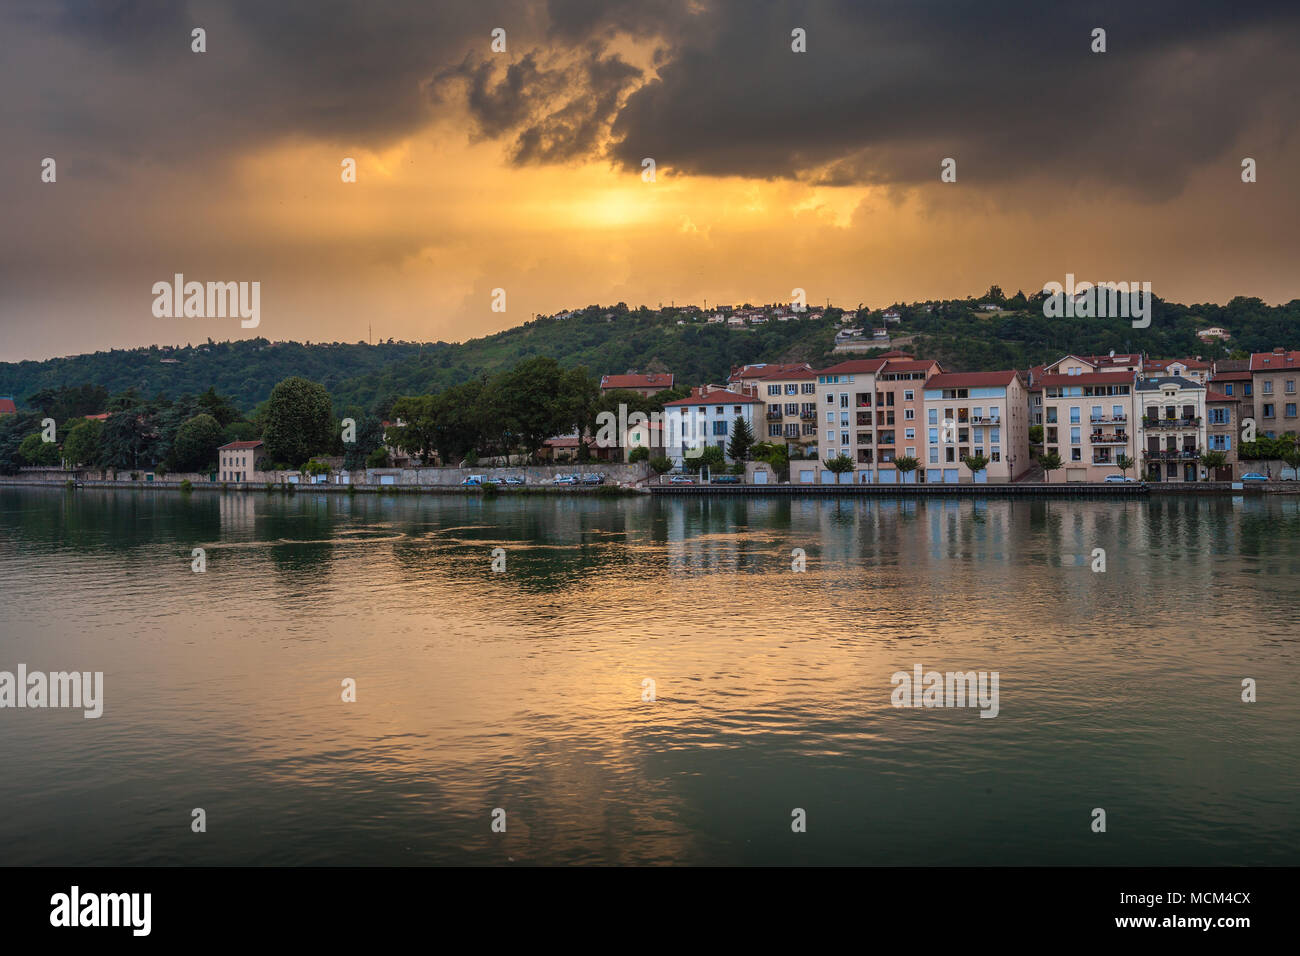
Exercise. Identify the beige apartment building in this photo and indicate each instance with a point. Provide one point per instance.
(790, 396)
(898, 417)
(1128, 363)
(975, 413)
(845, 422)
(873, 411)
(1087, 420)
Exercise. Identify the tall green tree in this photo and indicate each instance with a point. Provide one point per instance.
(906, 464)
(35, 450)
(370, 437)
(220, 407)
(82, 446)
(196, 444)
(536, 400)
(130, 439)
(298, 422)
(742, 439)
(840, 464)
(710, 457)
(418, 433)
(1049, 463)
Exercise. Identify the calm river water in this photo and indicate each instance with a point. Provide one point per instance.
(523, 690)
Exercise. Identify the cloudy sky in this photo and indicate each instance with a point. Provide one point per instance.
(522, 169)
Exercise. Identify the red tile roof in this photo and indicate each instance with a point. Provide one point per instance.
(855, 367)
(719, 396)
(974, 379)
(7, 406)
(1220, 397)
(1111, 360)
(1231, 376)
(101, 417)
(917, 365)
(1165, 363)
(238, 445)
(775, 370)
(1088, 378)
(653, 380)
(1272, 361)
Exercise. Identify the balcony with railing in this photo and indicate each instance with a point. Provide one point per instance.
(1171, 422)
(982, 420)
(1109, 438)
(773, 416)
(810, 417)
(1177, 454)
(1108, 420)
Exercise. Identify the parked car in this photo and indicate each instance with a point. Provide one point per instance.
(591, 479)
(681, 480)
(1254, 476)
(475, 480)
(725, 480)
(1118, 479)
(515, 480)
(565, 480)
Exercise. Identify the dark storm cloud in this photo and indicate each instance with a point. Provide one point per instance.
(886, 89)
(556, 112)
(119, 78)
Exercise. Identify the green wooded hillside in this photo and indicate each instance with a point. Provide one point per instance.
(613, 339)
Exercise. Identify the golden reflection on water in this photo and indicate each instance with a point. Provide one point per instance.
(523, 690)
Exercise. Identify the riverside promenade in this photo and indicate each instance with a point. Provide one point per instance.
(1059, 489)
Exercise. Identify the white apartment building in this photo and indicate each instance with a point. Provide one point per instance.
(705, 418)
(1170, 415)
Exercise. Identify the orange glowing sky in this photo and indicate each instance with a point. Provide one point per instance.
(521, 170)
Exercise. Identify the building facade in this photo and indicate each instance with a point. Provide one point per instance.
(1274, 376)
(1170, 414)
(237, 460)
(898, 418)
(1223, 432)
(846, 420)
(1087, 420)
(975, 413)
(705, 418)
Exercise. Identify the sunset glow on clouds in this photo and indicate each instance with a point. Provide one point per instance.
(522, 170)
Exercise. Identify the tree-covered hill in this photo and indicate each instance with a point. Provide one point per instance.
(606, 340)
(615, 339)
(246, 370)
